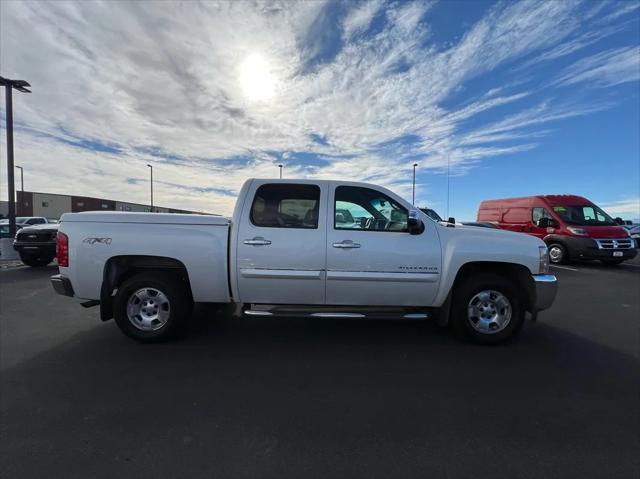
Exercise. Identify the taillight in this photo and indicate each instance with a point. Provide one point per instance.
(62, 249)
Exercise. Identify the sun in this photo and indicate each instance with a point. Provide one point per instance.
(256, 79)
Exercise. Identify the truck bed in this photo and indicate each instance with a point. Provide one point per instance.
(150, 218)
(198, 242)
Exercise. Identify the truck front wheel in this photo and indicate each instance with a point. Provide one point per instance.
(152, 306)
(486, 309)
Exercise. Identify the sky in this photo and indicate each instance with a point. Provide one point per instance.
(490, 99)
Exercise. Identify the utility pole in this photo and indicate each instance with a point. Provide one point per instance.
(9, 85)
(151, 166)
(413, 196)
(280, 166)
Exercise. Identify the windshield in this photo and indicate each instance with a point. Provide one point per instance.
(584, 215)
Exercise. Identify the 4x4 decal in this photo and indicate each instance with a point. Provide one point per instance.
(106, 241)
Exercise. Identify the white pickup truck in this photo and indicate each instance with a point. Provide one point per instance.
(303, 248)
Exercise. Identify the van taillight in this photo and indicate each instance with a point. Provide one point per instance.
(62, 249)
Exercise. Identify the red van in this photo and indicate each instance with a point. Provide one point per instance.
(571, 226)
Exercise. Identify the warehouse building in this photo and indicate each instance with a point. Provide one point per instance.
(51, 205)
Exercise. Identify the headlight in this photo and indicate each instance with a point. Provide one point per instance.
(543, 263)
(577, 231)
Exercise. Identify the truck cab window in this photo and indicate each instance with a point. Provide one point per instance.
(279, 205)
(358, 208)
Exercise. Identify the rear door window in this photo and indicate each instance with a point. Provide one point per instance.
(278, 205)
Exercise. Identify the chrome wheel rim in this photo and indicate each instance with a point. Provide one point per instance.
(489, 312)
(148, 309)
(555, 254)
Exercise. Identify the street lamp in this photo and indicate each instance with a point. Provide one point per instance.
(151, 166)
(280, 166)
(21, 86)
(413, 201)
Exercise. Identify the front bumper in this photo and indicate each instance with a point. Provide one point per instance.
(587, 248)
(61, 285)
(546, 288)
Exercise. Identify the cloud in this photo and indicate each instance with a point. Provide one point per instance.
(358, 92)
(609, 68)
(359, 18)
(628, 208)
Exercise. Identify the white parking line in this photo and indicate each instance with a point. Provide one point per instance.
(564, 267)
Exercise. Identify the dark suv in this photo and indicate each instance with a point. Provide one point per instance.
(37, 244)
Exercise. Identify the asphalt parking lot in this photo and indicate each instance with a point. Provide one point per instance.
(322, 398)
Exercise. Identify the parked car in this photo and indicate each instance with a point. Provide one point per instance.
(29, 220)
(431, 214)
(36, 244)
(4, 230)
(481, 224)
(285, 253)
(634, 232)
(571, 226)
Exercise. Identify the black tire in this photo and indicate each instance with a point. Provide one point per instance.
(36, 261)
(612, 262)
(562, 255)
(179, 310)
(467, 289)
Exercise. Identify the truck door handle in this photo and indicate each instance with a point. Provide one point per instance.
(257, 241)
(346, 244)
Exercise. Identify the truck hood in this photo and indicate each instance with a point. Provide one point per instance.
(474, 243)
(492, 235)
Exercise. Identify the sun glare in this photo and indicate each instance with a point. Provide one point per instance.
(257, 82)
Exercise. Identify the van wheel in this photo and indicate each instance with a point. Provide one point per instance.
(152, 306)
(557, 253)
(487, 309)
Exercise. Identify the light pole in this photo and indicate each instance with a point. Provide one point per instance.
(280, 166)
(9, 85)
(151, 166)
(413, 201)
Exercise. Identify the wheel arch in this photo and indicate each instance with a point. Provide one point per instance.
(517, 272)
(118, 269)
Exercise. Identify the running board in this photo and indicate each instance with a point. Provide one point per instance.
(331, 313)
(252, 312)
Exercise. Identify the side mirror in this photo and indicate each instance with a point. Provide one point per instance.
(619, 220)
(414, 223)
(547, 223)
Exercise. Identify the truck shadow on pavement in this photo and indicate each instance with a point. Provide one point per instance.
(321, 398)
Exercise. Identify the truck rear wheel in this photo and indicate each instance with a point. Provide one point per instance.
(152, 306)
(487, 309)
